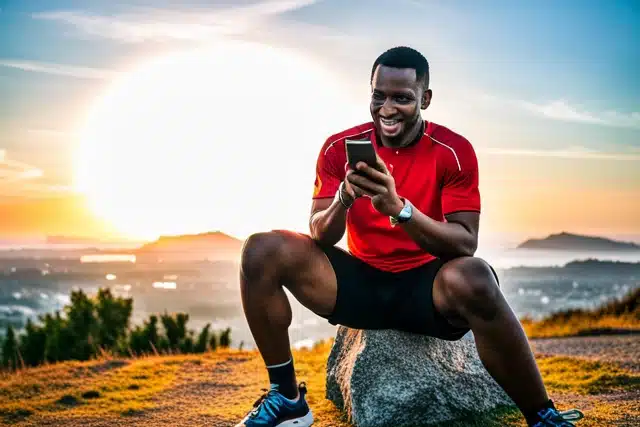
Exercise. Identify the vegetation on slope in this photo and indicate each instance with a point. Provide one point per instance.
(616, 316)
(91, 327)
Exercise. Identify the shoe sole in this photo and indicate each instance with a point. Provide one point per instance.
(305, 421)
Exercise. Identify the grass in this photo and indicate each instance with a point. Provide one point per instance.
(77, 389)
(616, 316)
(217, 389)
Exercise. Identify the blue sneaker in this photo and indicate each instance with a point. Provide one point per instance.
(553, 418)
(275, 410)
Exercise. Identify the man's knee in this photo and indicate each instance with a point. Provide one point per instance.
(267, 253)
(469, 286)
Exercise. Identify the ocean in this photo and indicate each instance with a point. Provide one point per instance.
(533, 282)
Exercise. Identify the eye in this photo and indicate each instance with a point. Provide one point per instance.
(403, 99)
(378, 96)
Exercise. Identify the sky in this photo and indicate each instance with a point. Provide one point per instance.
(547, 92)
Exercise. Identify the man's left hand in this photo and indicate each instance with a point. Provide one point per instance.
(379, 185)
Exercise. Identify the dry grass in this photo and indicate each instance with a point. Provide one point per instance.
(622, 314)
(579, 324)
(217, 389)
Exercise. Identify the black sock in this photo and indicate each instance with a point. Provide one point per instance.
(533, 417)
(284, 376)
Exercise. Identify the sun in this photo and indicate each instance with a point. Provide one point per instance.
(222, 138)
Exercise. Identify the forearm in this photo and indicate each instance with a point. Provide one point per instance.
(328, 226)
(441, 239)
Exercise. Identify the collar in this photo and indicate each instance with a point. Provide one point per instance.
(426, 129)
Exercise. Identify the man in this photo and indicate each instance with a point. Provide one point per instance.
(412, 230)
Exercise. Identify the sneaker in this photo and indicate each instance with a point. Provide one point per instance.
(553, 418)
(275, 410)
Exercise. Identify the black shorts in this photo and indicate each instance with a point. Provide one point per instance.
(369, 298)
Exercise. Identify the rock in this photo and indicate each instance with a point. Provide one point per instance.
(391, 378)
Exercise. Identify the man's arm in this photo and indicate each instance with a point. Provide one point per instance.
(328, 220)
(456, 237)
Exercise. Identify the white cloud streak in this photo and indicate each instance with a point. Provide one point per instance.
(19, 178)
(49, 133)
(567, 153)
(144, 24)
(59, 69)
(560, 110)
(563, 110)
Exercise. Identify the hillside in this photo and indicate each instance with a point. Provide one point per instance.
(575, 242)
(216, 389)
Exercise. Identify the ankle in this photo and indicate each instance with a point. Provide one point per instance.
(533, 416)
(283, 375)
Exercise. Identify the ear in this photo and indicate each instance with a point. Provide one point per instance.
(426, 99)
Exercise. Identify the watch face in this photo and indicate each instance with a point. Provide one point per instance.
(406, 212)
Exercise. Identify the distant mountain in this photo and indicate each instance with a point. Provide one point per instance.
(213, 246)
(578, 269)
(575, 242)
(83, 241)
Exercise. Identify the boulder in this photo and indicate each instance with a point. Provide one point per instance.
(392, 378)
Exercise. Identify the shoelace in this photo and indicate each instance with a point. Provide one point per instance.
(261, 399)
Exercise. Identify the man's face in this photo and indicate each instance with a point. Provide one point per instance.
(396, 101)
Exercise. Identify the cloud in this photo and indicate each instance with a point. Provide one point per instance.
(566, 153)
(146, 24)
(49, 133)
(12, 170)
(18, 178)
(562, 110)
(59, 69)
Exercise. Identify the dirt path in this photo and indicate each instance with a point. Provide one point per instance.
(622, 349)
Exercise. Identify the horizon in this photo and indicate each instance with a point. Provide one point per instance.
(552, 113)
(84, 243)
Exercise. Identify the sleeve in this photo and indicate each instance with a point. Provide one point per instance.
(329, 173)
(460, 191)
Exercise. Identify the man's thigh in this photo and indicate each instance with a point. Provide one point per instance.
(298, 264)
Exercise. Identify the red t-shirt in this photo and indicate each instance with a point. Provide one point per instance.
(438, 174)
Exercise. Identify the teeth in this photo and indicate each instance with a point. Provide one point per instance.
(388, 122)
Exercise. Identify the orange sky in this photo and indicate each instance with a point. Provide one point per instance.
(37, 217)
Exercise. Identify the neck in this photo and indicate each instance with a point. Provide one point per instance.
(412, 137)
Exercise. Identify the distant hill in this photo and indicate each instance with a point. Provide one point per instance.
(576, 269)
(575, 242)
(86, 241)
(213, 245)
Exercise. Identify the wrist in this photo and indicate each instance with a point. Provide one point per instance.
(397, 207)
(404, 214)
(344, 199)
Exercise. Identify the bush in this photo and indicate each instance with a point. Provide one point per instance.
(90, 326)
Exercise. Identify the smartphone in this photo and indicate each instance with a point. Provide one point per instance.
(360, 151)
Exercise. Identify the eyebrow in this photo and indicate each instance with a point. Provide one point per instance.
(404, 91)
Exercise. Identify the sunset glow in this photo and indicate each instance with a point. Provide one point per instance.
(208, 140)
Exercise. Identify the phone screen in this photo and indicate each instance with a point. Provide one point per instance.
(360, 151)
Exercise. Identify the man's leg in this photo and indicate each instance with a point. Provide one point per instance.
(466, 292)
(271, 261)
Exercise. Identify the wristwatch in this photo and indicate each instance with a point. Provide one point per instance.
(405, 214)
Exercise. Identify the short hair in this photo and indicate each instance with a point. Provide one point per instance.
(404, 57)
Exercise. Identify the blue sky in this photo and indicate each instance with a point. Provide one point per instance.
(536, 86)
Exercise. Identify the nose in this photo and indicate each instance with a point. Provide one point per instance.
(388, 108)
